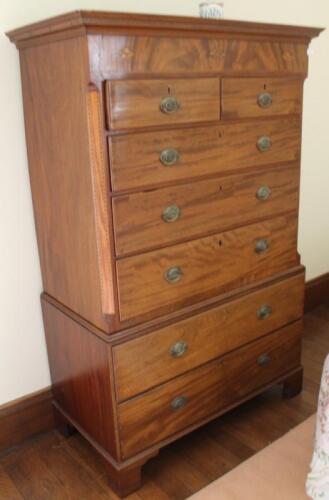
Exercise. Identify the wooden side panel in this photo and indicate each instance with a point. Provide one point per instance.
(80, 372)
(240, 97)
(206, 335)
(204, 207)
(203, 151)
(150, 418)
(55, 80)
(209, 266)
(100, 186)
(117, 56)
(136, 103)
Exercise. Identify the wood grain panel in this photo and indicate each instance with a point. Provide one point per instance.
(207, 336)
(54, 80)
(209, 265)
(100, 187)
(136, 103)
(240, 95)
(149, 418)
(132, 55)
(204, 207)
(80, 373)
(214, 150)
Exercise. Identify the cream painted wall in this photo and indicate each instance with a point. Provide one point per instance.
(23, 361)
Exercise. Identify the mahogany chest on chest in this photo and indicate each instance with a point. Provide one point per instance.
(164, 158)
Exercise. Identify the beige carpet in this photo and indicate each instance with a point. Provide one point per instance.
(278, 472)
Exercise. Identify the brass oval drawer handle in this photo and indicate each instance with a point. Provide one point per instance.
(264, 359)
(264, 143)
(173, 274)
(169, 105)
(264, 311)
(179, 349)
(171, 213)
(265, 100)
(178, 403)
(262, 246)
(263, 193)
(169, 157)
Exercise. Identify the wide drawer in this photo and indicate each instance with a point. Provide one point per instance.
(143, 103)
(163, 280)
(150, 418)
(244, 97)
(157, 157)
(189, 343)
(165, 216)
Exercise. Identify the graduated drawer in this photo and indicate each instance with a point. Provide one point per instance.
(165, 216)
(152, 158)
(163, 280)
(189, 343)
(191, 398)
(247, 97)
(143, 103)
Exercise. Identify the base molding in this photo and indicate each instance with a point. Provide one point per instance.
(317, 292)
(25, 417)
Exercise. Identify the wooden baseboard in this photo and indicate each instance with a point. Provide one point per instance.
(33, 414)
(25, 417)
(317, 292)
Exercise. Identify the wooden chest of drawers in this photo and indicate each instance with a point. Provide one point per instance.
(164, 158)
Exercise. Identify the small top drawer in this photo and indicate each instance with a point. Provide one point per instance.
(248, 97)
(143, 103)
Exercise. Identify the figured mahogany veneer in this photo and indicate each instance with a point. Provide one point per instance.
(210, 265)
(136, 103)
(203, 207)
(207, 335)
(150, 418)
(164, 157)
(240, 97)
(203, 151)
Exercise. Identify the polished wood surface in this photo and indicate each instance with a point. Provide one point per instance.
(209, 265)
(203, 151)
(150, 418)
(100, 183)
(134, 103)
(207, 336)
(53, 467)
(118, 56)
(81, 376)
(113, 271)
(204, 207)
(60, 172)
(107, 22)
(240, 95)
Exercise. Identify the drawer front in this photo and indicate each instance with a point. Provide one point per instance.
(188, 399)
(147, 220)
(243, 97)
(164, 280)
(196, 340)
(143, 103)
(153, 158)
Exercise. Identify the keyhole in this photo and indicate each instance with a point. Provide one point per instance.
(169, 90)
(220, 135)
(220, 243)
(265, 86)
(220, 188)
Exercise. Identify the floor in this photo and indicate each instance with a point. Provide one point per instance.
(50, 467)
